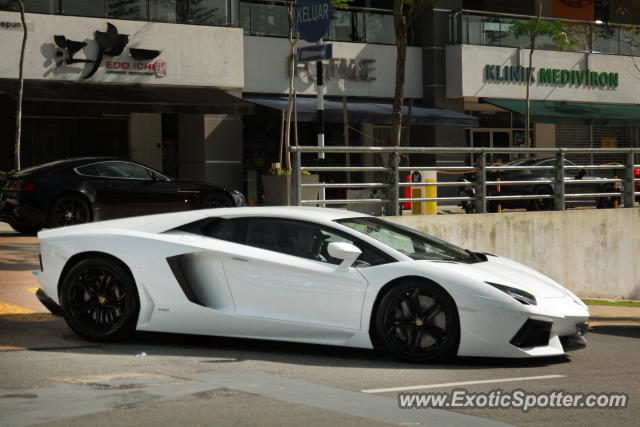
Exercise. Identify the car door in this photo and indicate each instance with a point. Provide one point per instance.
(130, 189)
(283, 279)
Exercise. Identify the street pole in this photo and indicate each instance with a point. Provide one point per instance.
(320, 113)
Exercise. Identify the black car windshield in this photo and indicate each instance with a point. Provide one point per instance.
(412, 243)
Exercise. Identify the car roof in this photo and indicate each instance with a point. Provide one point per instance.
(62, 164)
(160, 223)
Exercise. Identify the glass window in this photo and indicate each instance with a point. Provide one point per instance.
(168, 10)
(89, 170)
(40, 6)
(231, 230)
(346, 26)
(208, 12)
(122, 170)
(83, 8)
(268, 20)
(127, 9)
(414, 244)
(380, 29)
(305, 240)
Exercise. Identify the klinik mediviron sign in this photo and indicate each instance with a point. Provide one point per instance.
(556, 76)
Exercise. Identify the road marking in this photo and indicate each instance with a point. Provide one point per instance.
(443, 385)
(6, 308)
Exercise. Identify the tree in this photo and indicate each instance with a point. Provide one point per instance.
(531, 28)
(404, 13)
(20, 87)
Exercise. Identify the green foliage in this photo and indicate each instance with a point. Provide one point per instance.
(555, 29)
(341, 4)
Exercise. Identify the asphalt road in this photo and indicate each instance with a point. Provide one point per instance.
(50, 376)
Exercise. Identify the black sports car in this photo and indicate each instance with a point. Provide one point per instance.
(576, 181)
(74, 191)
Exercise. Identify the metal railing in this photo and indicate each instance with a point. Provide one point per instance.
(494, 29)
(483, 190)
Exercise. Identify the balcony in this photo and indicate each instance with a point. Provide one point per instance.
(491, 29)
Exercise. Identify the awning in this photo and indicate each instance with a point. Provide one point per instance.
(581, 113)
(359, 111)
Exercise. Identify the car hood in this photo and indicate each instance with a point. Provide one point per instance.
(504, 271)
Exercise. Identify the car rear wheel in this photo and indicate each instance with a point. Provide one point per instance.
(418, 321)
(69, 210)
(99, 299)
(217, 199)
(607, 202)
(542, 204)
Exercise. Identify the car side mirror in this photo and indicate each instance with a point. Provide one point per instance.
(581, 173)
(347, 252)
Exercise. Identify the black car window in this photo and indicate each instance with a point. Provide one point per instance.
(89, 170)
(306, 240)
(122, 170)
(291, 237)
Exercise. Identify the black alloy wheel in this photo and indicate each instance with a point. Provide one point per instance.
(542, 204)
(100, 300)
(217, 199)
(69, 210)
(418, 322)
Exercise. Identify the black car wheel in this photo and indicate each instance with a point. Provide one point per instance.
(418, 322)
(216, 199)
(542, 204)
(69, 210)
(99, 299)
(24, 228)
(607, 202)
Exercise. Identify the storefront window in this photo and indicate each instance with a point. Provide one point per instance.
(264, 19)
(127, 9)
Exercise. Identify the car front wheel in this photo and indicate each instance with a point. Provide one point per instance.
(418, 321)
(99, 299)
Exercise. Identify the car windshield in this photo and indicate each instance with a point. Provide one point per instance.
(412, 243)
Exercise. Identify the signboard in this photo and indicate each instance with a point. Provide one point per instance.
(315, 53)
(609, 142)
(312, 18)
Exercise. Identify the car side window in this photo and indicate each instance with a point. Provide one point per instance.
(306, 240)
(232, 230)
(89, 170)
(122, 170)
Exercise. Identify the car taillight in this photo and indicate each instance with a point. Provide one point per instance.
(20, 186)
(636, 173)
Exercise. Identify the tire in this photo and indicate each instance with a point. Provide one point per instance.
(24, 228)
(417, 321)
(607, 202)
(99, 299)
(69, 210)
(216, 199)
(542, 204)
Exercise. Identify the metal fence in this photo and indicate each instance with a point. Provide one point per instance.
(483, 189)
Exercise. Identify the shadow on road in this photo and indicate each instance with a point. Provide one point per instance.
(52, 334)
(619, 331)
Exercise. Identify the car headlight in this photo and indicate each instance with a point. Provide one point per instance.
(521, 296)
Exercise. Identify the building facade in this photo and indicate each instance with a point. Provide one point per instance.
(195, 87)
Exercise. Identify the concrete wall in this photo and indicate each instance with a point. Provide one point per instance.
(594, 253)
(145, 139)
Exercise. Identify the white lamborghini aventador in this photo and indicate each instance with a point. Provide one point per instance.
(303, 274)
